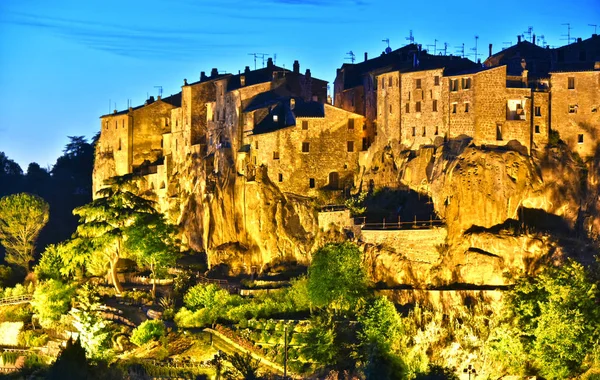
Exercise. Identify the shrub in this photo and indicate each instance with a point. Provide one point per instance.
(147, 331)
(30, 338)
(51, 300)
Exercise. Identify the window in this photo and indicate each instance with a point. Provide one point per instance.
(580, 138)
(350, 123)
(390, 84)
(350, 146)
(499, 132)
(538, 111)
(434, 105)
(256, 144)
(466, 83)
(414, 131)
(417, 83)
(119, 145)
(275, 118)
(467, 107)
(116, 124)
(453, 85)
(424, 131)
(436, 80)
(311, 183)
(571, 83)
(365, 143)
(391, 109)
(409, 95)
(537, 129)
(430, 94)
(594, 109)
(305, 147)
(382, 83)
(280, 177)
(454, 107)
(407, 107)
(418, 107)
(304, 124)
(243, 83)
(276, 155)
(572, 108)
(437, 130)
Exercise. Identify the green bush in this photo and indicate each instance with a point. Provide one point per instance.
(147, 331)
(51, 300)
(30, 338)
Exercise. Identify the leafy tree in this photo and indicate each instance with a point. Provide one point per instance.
(71, 364)
(211, 300)
(244, 366)
(147, 331)
(51, 300)
(22, 217)
(336, 276)
(381, 325)
(151, 241)
(11, 175)
(93, 329)
(51, 263)
(106, 222)
(559, 317)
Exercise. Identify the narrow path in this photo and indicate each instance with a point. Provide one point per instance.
(263, 361)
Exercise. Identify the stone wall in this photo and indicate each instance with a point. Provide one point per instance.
(149, 124)
(541, 120)
(389, 108)
(576, 112)
(443, 300)
(417, 245)
(334, 219)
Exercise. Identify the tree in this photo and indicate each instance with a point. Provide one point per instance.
(380, 325)
(336, 276)
(71, 364)
(147, 331)
(244, 366)
(210, 300)
(22, 217)
(151, 241)
(93, 329)
(51, 300)
(106, 222)
(11, 175)
(559, 318)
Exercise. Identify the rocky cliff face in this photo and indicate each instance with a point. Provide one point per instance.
(506, 212)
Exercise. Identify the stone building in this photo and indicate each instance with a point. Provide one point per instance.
(575, 104)
(306, 146)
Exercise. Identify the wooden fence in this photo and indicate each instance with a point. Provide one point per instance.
(15, 300)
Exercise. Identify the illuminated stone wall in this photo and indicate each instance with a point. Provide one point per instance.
(416, 245)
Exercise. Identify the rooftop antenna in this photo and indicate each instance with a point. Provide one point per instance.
(410, 37)
(434, 46)
(506, 44)
(568, 35)
(542, 40)
(109, 103)
(274, 58)
(351, 57)
(159, 90)
(445, 47)
(259, 55)
(595, 26)
(388, 49)
(475, 48)
(529, 33)
(461, 50)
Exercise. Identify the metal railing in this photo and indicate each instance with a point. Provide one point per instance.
(14, 300)
(389, 224)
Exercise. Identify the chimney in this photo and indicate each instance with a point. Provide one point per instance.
(203, 76)
(184, 81)
(519, 39)
(490, 49)
(579, 39)
(307, 74)
(533, 39)
(214, 72)
(366, 56)
(270, 62)
(151, 99)
(419, 45)
(296, 67)
(159, 97)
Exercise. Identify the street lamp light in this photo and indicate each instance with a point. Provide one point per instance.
(470, 370)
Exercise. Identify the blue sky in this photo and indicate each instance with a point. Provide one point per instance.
(61, 61)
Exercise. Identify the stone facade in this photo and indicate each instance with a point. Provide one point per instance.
(575, 102)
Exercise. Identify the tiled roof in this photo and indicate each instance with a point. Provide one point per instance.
(285, 114)
(174, 100)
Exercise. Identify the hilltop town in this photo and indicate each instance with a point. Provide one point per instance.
(238, 160)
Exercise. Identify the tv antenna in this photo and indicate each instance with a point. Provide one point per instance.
(351, 56)
(259, 55)
(388, 49)
(475, 48)
(410, 37)
(445, 47)
(542, 40)
(595, 26)
(506, 44)
(461, 50)
(434, 46)
(159, 90)
(274, 58)
(529, 33)
(568, 35)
